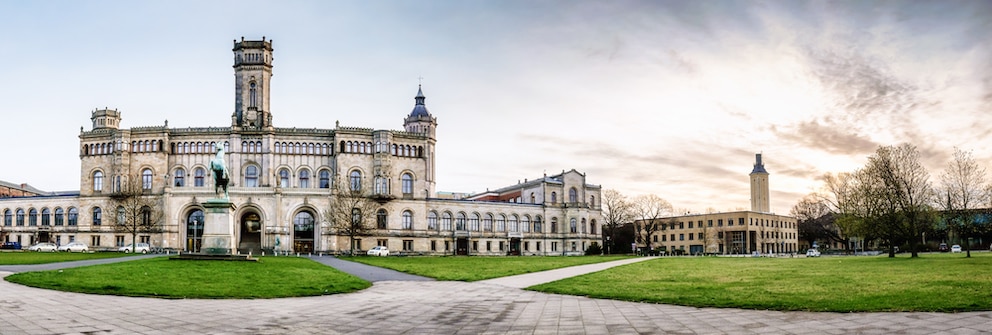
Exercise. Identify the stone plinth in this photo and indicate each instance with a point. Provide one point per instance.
(218, 228)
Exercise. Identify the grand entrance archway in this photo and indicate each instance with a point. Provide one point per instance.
(251, 233)
(194, 230)
(303, 232)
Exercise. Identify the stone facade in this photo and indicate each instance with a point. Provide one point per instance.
(283, 183)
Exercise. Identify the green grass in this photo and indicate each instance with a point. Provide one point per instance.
(30, 257)
(270, 277)
(933, 282)
(477, 268)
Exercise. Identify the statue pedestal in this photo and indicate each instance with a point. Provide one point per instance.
(218, 228)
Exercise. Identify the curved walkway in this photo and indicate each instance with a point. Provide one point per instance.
(436, 307)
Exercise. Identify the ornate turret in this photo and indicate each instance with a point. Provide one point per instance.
(252, 74)
(759, 187)
(106, 119)
(420, 120)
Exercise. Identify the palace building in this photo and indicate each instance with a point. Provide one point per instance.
(283, 182)
(728, 233)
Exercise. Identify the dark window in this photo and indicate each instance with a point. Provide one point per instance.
(97, 216)
(381, 219)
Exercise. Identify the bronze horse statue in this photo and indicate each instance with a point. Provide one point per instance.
(221, 177)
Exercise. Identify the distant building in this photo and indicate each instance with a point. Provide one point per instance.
(282, 182)
(8, 190)
(739, 232)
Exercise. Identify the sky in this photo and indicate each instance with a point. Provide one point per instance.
(672, 98)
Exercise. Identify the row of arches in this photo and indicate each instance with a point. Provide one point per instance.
(107, 148)
(490, 222)
(197, 147)
(304, 148)
(61, 217)
(400, 150)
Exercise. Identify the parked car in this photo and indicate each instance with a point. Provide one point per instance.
(11, 245)
(141, 247)
(378, 251)
(812, 253)
(955, 248)
(44, 246)
(74, 247)
(943, 247)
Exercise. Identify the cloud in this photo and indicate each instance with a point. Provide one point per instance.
(827, 136)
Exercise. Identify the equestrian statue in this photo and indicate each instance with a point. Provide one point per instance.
(221, 177)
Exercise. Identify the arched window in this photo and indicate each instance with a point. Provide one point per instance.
(514, 223)
(432, 221)
(592, 226)
(473, 222)
(59, 216)
(407, 220)
(460, 221)
(32, 217)
(592, 201)
(97, 181)
(381, 221)
(554, 197)
(356, 216)
(407, 183)
(146, 179)
(97, 216)
(393, 152)
(73, 216)
(501, 223)
(251, 176)
(446, 221)
(525, 224)
(199, 174)
(20, 217)
(325, 178)
(573, 195)
(8, 219)
(304, 178)
(121, 217)
(303, 222)
(356, 180)
(180, 177)
(278, 147)
(283, 178)
(252, 95)
(538, 225)
(194, 230)
(487, 222)
(146, 216)
(342, 147)
(554, 225)
(583, 226)
(381, 185)
(46, 217)
(572, 226)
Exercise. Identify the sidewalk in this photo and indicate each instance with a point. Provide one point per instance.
(531, 279)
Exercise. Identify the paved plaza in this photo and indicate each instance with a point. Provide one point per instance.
(415, 306)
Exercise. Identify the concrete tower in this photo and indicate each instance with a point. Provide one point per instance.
(252, 74)
(421, 122)
(759, 187)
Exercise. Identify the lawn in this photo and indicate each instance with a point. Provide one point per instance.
(477, 267)
(933, 282)
(270, 277)
(28, 257)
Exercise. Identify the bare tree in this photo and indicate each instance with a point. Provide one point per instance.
(137, 210)
(816, 221)
(964, 188)
(617, 211)
(890, 198)
(649, 209)
(351, 211)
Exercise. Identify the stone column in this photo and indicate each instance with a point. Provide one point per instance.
(218, 228)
